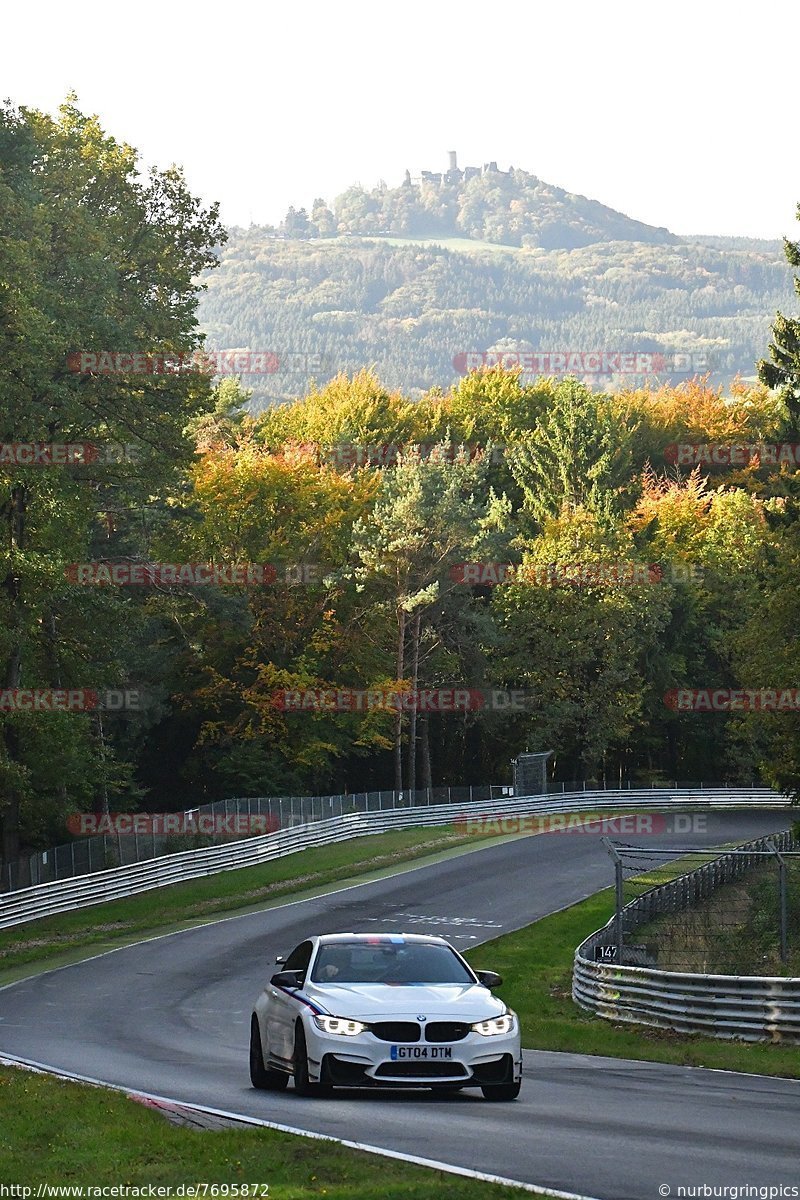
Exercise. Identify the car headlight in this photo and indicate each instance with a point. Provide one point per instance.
(339, 1025)
(494, 1025)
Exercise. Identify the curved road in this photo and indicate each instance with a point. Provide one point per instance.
(170, 1016)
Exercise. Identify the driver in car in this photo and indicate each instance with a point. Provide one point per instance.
(338, 961)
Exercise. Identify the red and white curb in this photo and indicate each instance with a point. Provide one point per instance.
(178, 1107)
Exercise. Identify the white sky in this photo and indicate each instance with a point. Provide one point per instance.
(679, 114)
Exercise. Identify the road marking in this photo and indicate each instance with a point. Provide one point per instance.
(421, 919)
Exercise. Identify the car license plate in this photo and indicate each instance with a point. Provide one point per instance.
(421, 1052)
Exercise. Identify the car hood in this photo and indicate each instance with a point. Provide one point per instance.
(389, 1002)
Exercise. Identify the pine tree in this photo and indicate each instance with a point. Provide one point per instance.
(784, 371)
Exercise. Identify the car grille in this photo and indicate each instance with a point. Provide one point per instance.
(421, 1070)
(396, 1031)
(445, 1031)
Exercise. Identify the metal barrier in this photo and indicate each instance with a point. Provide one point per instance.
(82, 856)
(749, 1007)
(47, 899)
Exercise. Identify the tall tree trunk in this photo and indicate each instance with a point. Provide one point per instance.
(412, 717)
(427, 778)
(398, 721)
(54, 676)
(9, 813)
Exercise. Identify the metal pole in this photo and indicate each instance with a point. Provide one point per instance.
(784, 914)
(620, 900)
(782, 899)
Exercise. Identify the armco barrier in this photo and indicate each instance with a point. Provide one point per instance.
(46, 899)
(748, 1007)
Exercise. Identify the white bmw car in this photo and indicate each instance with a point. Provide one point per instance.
(383, 1010)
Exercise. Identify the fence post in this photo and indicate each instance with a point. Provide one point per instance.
(783, 907)
(619, 898)
(784, 914)
(771, 845)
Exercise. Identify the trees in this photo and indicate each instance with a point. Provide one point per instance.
(783, 372)
(579, 454)
(95, 258)
(426, 518)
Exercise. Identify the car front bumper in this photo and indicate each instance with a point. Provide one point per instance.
(366, 1061)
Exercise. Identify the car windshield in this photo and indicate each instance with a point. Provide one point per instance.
(388, 962)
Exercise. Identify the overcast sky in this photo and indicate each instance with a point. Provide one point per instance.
(679, 114)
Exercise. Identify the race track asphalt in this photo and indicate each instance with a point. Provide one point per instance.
(170, 1016)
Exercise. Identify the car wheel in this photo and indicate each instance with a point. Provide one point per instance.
(501, 1091)
(260, 1077)
(302, 1084)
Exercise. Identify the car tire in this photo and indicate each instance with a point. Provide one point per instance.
(501, 1091)
(260, 1077)
(302, 1084)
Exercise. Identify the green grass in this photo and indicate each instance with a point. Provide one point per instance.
(59, 1132)
(459, 244)
(536, 964)
(158, 911)
(736, 930)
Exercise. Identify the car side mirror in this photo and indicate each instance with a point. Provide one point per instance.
(287, 979)
(489, 979)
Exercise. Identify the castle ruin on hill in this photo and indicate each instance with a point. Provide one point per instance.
(454, 174)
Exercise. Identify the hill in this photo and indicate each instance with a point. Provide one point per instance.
(408, 279)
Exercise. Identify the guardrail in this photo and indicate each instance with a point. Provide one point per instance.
(748, 1007)
(103, 851)
(47, 899)
(113, 848)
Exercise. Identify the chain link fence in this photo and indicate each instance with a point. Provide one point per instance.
(720, 911)
(84, 856)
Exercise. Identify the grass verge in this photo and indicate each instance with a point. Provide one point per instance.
(58, 1132)
(536, 963)
(735, 931)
